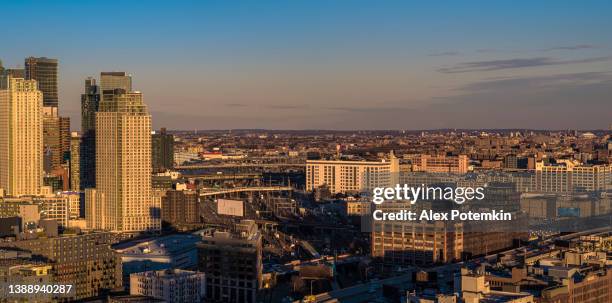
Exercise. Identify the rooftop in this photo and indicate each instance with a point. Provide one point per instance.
(162, 246)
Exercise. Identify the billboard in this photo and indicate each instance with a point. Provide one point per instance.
(230, 207)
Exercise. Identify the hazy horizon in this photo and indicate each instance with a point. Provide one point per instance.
(332, 65)
(386, 130)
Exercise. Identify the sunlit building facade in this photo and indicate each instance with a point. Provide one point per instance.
(123, 166)
(342, 176)
(21, 137)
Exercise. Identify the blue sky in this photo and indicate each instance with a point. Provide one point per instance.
(332, 64)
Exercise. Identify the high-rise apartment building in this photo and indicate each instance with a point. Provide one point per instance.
(163, 151)
(44, 71)
(342, 176)
(123, 165)
(114, 80)
(232, 263)
(90, 102)
(21, 136)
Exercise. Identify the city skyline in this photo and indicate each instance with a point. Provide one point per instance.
(316, 65)
(306, 151)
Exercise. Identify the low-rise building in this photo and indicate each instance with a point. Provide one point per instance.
(170, 285)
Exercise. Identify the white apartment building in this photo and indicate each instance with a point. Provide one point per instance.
(569, 176)
(122, 200)
(342, 176)
(170, 285)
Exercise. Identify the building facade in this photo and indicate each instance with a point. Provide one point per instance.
(232, 263)
(75, 161)
(415, 242)
(350, 176)
(441, 164)
(51, 139)
(90, 102)
(123, 165)
(21, 137)
(568, 176)
(180, 207)
(64, 139)
(162, 151)
(44, 71)
(83, 260)
(114, 80)
(170, 285)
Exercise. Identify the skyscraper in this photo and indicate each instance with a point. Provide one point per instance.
(163, 151)
(51, 139)
(21, 136)
(90, 101)
(44, 71)
(123, 165)
(64, 138)
(15, 72)
(75, 161)
(114, 80)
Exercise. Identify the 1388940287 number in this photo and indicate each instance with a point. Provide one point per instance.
(52, 290)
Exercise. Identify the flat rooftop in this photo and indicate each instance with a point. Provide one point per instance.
(161, 246)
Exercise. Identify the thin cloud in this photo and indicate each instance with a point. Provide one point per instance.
(570, 47)
(537, 82)
(488, 50)
(574, 47)
(541, 102)
(273, 106)
(447, 53)
(365, 109)
(492, 65)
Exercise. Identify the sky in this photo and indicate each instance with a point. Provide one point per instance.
(331, 64)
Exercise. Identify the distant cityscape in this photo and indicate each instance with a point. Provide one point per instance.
(120, 212)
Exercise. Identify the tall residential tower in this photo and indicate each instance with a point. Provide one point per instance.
(21, 137)
(123, 200)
